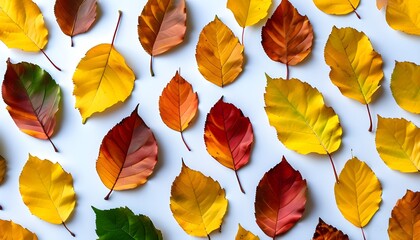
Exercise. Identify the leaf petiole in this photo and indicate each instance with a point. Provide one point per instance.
(370, 118)
(182, 136)
(65, 226)
(59, 69)
(333, 166)
(239, 181)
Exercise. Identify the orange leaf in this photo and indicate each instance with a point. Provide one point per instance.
(405, 218)
(287, 36)
(324, 231)
(228, 136)
(128, 154)
(162, 26)
(178, 105)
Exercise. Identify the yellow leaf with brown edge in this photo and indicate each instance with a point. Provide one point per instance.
(197, 202)
(47, 190)
(403, 15)
(405, 84)
(219, 54)
(13, 231)
(102, 79)
(397, 142)
(356, 68)
(244, 234)
(405, 218)
(358, 193)
(337, 7)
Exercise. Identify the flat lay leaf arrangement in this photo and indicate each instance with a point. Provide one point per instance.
(280, 194)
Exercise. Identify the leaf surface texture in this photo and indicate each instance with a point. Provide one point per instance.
(405, 85)
(337, 7)
(325, 231)
(405, 218)
(244, 234)
(14, 231)
(403, 15)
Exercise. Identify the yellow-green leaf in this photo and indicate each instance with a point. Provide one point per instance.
(405, 85)
(403, 15)
(337, 7)
(3, 168)
(101, 80)
(22, 25)
(398, 142)
(302, 120)
(13, 231)
(358, 193)
(244, 234)
(356, 69)
(198, 203)
(47, 190)
(219, 54)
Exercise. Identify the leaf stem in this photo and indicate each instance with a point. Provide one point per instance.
(333, 166)
(243, 33)
(71, 233)
(116, 28)
(208, 236)
(59, 69)
(182, 136)
(71, 41)
(363, 234)
(55, 148)
(287, 71)
(108, 195)
(354, 10)
(151, 66)
(239, 181)
(370, 117)
(1, 208)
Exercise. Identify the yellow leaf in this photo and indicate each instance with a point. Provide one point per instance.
(219, 54)
(22, 25)
(358, 193)
(244, 234)
(337, 7)
(356, 69)
(397, 142)
(101, 80)
(249, 12)
(198, 203)
(47, 190)
(302, 120)
(405, 84)
(403, 15)
(3, 169)
(13, 231)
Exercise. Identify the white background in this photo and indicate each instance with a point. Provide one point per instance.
(79, 144)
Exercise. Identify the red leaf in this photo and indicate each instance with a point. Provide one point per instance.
(324, 231)
(228, 136)
(280, 199)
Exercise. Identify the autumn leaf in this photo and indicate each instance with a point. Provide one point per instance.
(302, 120)
(162, 26)
(405, 218)
(356, 69)
(75, 16)
(12, 231)
(123, 224)
(325, 231)
(102, 79)
(381, 4)
(402, 15)
(23, 27)
(358, 193)
(404, 86)
(128, 154)
(287, 36)
(47, 190)
(178, 105)
(397, 144)
(248, 12)
(219, 54)
(280, 199)
(3, 168)
(228, 136)
(197, 202)
(244, 234)
(338, 7)
(32, 98)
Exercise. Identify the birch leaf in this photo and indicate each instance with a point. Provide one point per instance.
(325, 231)
(47, 190)
(405, 218)
(162, 26)
(337, 7)
(13, 231)
(219, 54)
(397, 142)
(178, 105)
(102, 79)
(198, 203)
(356, 69)
(405, 84)
(358, 193)
(402, 15)
(244, 234)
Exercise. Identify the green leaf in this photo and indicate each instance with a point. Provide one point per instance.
(122, 223)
